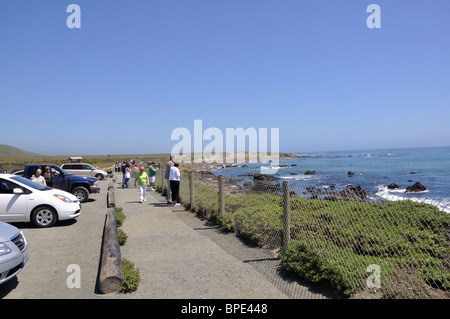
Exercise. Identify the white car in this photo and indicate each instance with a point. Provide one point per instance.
(83, 169)
(13, 252)
(22, 200)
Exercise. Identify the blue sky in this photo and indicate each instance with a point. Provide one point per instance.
(137, 70)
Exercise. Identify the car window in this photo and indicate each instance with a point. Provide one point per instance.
(6, 187)
(59, 171)
(67, 166)
(29, 183)
(87, 166)
(32, 170)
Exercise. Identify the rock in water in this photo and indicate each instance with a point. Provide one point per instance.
(353, 193)
(264, 177)
(393, 186)
(417, 187)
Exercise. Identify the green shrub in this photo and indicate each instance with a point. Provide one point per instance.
(120, 216)
(226, 221)
(335, 241)
(122, 237)
(131, 277)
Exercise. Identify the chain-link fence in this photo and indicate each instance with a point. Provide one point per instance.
(343, 239)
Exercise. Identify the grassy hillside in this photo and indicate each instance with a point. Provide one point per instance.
(101, 161)
(11, 151)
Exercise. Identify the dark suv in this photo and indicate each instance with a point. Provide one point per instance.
(80, 186)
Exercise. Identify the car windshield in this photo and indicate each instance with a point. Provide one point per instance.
(30, 183)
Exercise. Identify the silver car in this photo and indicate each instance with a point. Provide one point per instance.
(84, 169)
(13, 252)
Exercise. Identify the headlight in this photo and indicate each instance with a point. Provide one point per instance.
(4, 250)
(95, 184)
(63, 198)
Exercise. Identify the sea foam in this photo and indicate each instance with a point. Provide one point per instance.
(394, 195)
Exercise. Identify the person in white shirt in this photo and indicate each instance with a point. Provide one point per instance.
(174, 180)
(38, 178)
(127, 176)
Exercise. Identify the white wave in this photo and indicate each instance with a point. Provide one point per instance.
(298, 177)
(391, 195)
(273, 167)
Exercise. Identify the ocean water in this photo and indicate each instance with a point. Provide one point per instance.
(374, 170)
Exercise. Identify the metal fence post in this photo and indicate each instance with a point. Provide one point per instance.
(286, 236)
(191, 188)
(221, 196)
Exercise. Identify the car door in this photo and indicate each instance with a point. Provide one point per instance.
(59, 180)
(79, 170)
(13, 207)
(88, 170)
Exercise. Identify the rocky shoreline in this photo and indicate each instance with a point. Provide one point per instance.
(264, 183)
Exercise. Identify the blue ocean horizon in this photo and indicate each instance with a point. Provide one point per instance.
(373, 169)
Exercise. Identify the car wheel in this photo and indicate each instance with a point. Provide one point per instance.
(99, 176)
(81, 193)
(44, 216)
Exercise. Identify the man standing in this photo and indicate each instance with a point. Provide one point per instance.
(169, 165)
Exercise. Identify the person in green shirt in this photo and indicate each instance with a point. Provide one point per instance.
(152, 174)
(142, 180)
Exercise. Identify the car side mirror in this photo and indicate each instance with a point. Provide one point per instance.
(17, 191)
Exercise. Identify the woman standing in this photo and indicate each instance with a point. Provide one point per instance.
(143, 181)
(174, 179)
(38, 178)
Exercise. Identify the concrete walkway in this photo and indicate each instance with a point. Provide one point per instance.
(178, 256)
(176, 261)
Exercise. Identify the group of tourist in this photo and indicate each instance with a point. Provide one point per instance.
(146, 179)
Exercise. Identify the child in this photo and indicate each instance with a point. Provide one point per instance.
(143, 181)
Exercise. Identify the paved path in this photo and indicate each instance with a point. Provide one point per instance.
(175, 260)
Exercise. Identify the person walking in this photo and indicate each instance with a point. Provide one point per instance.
(152, 174)
(174, 178)
(169, 165)
(123, 166)
(127, 176)
(142, 180)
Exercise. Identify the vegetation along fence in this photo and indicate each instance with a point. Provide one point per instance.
(359, 247)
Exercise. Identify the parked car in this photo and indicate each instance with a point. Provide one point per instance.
(22, 200)
(80, 186)
(2, 170)
(13, 252)
(85, 170)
